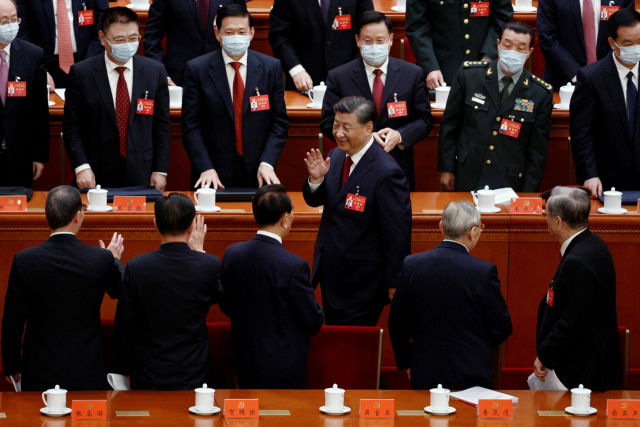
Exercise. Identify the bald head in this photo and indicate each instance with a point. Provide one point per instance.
(8, 10)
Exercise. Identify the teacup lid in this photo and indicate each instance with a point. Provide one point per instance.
(206, 190)
(334, 389)
(568, 87)
(486, 191)
(439, 389)
(581, 390)
(204, 389)
(443, 88)
(613, 192)
(321, 86)
(98, 189)
(56, 390)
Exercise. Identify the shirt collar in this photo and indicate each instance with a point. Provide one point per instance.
(228, 59)
(7, 49)
(112, 65)
(356, 157)
(622, 70)
(566, 243)
(453, 241)
(269, 234)
(61, 232)
(515, 77)
(369, 69)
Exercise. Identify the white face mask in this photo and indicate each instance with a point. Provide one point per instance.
(236, 44)
(123, 52)
(375, 54)
(8, 32)
(629, 54)
(512, 61)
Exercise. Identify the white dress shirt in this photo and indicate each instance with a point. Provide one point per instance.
(7, 49)
(269, 234)
(622, 72)
(565, 245)
(73, 33)
(453, 241)
(596, 13)
(371, 75)
(355, 158)
(61, 232)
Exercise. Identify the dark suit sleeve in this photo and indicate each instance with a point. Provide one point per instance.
(304, 304)
(401, 319)
(497, 319)
(583, 108)
(71, 122)
(155, 31)
(227, 304)
(115, 278)
(125, 325)
(418, 129)
(217, 292)
(331, 96)
(161, 126)
(280, 33)
(39, 111)
(13, 321)
(279, 125)
(418, 31)
(537, 146)
(95, 47)
(23, 14)
(450, 125)
(555, 54)
(316, 198)
(501, 13)
(191, 121)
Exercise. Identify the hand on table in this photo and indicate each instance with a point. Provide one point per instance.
(159, 181)
(209, 178)
(303, 81)
(435, 79)
(447, 181)
(266, 175)
(595, 185)
(86, 179)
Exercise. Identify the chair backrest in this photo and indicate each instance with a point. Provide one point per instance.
(5, 385)
(537, 60)
(406, 54)
(327, 146)
(223, 374)
(498, 357)
(349, 356)
(107, 333)
(623, 337)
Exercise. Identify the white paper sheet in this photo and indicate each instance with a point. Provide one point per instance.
(503, 196)
(551, 382)
(118, 382)
(473, 394)
(60, 93)
(17, 385)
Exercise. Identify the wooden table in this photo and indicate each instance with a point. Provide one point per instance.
(171, 409)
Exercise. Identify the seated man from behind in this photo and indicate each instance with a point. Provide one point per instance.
(449, 303)
(161, 339)
(270, 300)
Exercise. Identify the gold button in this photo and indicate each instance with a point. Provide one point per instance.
(466, 36)
(491, 146)
(497, 119)
(465, 5)
(520, 176)
(522, 120)
(488, 162)
(476, 107)
(494, 134)
(468, 51)
(441, 2)
(466, 21)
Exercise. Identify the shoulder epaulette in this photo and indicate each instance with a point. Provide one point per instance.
(475, 63)
(542, 82)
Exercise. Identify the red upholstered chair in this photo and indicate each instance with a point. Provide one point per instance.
(326, 145)
(537, 60)
(623, 338)
(396, 380)
(108, 332)
(516, 378)
(406, 54)
(223, 374)
(349, 356)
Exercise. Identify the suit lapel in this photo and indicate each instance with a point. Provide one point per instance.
(218, 74)
(520, 90)
(76, 6)
(254, 72)
(16, 68)
(491, 83)
(102, 84)
(317, 13)
(361, 80)
(612, 81)
(193, 6)
(393, 74)
(361, 169)
(47, 5)
(138, 89)
(577, 13)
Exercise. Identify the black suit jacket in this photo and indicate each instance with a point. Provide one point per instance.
(273, 311)
(358, 255)
(208, 124)
(161, 336)
(38, 26)
(91, 129)
(56, 288)
(449, 303)
(561, 38)
(179, 21)
(404, 79)
(299, 36)
(601, 138)
(25, 127)
(578, 336)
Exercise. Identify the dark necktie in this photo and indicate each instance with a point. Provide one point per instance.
(203, 8)
(632, 98)
(378, 89)
(506, 80)
(324, 5)
(123, 105)
(345, 170)
(238, 99)
(589, 29)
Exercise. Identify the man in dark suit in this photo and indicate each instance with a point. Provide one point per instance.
(24, 132)
(359, 249)
(398, 81)
(271, 304)
(443, 34)
(227, 142)
(107, 140)
(311, 37)
(188, 26)
(65, 42)
(448, 310)
(572, 34)
(56, 289)
(605, 126)
(161, 339)
(475, 148)
(577, 333)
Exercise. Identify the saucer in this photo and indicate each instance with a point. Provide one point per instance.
(45, 411)
(105, 209)
(612, 211)
(450, 410)
(143, 7)
(435, 105)
(194, 410)
(490, 210)
(524, 9)
(591, 411)
(312, 105)
(215, 209)
(51, 103)
(398, 9)
(345, 410)
(560, 107)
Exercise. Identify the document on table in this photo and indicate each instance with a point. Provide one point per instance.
(17, 385)
(118, 382)
(551, 382)
(503, 196)
(473, 394)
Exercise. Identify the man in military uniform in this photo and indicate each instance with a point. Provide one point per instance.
(475, 147)
(445, 33)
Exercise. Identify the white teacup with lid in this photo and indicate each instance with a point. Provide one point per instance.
(565, 95)
(334, 398)
(524, 4)
(56, 400)
(175, 96)
(486, 199)
(612, 200)
(97, 198)
(316, 95)
(206, 198)
(442, 94)
(439, 398)
(204, 399)
(580, 400)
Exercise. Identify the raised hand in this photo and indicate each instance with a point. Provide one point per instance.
(317, 166)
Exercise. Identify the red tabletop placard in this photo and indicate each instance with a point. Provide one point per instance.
(376, 408)
(241, 408)
(489, 408)
(524, 205)
(89, 409)
(129, 204)
(13, 203)
(623, 409)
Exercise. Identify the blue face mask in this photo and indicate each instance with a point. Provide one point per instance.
(375, 54)
(8, 32)
(123, 52)
(236, 44)
(512, 61)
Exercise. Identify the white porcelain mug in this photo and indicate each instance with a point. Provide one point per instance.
(316, 95)
(206, 198)
(334, 398)
(97, 198)
(524, 4)
(612, 200)
(401, 4)
(442, 94)
(175, 95)
(204, 398)
(580, 399)
(140, 3)
(439, 398)
(56, 400)
(486, 199)
(566, 92)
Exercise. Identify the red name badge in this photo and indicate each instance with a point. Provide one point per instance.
(259, 103)
(341, 22)
(355, 202)
(509, 128)
(479, 9)
(607, 11)
(495, 408)
(13, 203)
(397, 109)
(89, 410)
(372, 408)
(524, 205)
(241, 408)
(145, 106)
(85, 17)
(130, 204)
(623, 409)
(550, 297)
(16, 89)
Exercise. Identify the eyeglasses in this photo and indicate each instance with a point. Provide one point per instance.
(13, 21)
(481, 225)
(124, 40)
(370, 42)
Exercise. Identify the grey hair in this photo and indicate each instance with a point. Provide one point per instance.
(572, 205)
(458, 218)
(363, 108)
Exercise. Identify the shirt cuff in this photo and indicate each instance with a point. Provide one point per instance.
(161, 173)
(82, 167)
(266, 164)
(573, 80)
(295, 70)
(314, 187)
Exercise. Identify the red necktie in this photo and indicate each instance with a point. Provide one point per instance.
(238, 99)
(589, 28)
(203, 8)
(123, 105)
(65, 48)
(345, 170)
(378, 89)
